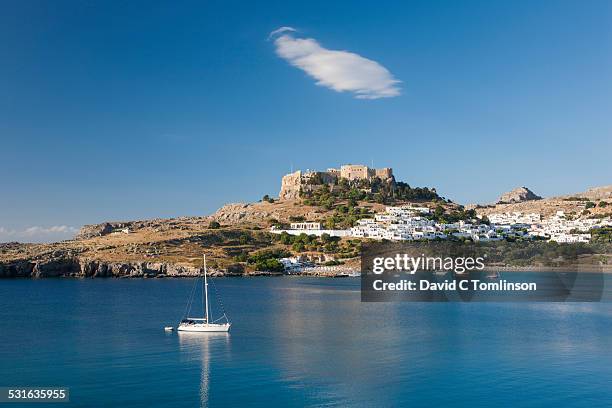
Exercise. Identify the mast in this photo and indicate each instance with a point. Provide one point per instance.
(206, 288)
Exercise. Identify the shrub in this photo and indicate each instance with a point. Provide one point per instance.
(270, 265)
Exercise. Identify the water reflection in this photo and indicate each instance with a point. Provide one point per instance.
(327, 333)
(198, 346)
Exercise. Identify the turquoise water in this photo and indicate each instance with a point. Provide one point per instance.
(299, 342)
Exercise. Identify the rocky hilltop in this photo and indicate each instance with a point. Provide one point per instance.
(518, 195)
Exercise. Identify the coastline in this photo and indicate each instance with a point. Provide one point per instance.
(160, 271)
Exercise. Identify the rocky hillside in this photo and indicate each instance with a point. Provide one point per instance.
(594, 193)
(164, 247)
(261, 213)
(152, 247)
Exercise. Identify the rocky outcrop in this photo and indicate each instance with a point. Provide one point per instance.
(96, 230)
(290, 186)
(599, 193)
(16, 269)
(156, 224)
(238, 213)
(518, 195)
(235, 212)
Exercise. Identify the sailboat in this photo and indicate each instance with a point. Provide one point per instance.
(203, 324)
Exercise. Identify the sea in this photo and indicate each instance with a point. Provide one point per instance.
(298, 341)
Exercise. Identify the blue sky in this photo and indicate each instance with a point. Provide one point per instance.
(115, 111)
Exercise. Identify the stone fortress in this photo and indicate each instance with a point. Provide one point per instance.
(292, 183)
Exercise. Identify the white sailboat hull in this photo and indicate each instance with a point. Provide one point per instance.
(205, 327)
(203, 324)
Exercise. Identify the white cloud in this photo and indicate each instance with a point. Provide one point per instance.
(281, 31)
(341, 71)
(38, 234)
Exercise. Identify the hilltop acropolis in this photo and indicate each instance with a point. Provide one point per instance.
(293, 182)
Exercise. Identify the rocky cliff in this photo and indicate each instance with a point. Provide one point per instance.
(64, 265)
(290, 186)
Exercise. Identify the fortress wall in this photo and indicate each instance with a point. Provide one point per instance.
(384, 173)
(293, 182)
(354, 171)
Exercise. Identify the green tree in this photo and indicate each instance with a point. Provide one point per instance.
(285, 238)
(214, 225)
(269, 265)
(328, 204)
(242, 257)
(439, 212)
